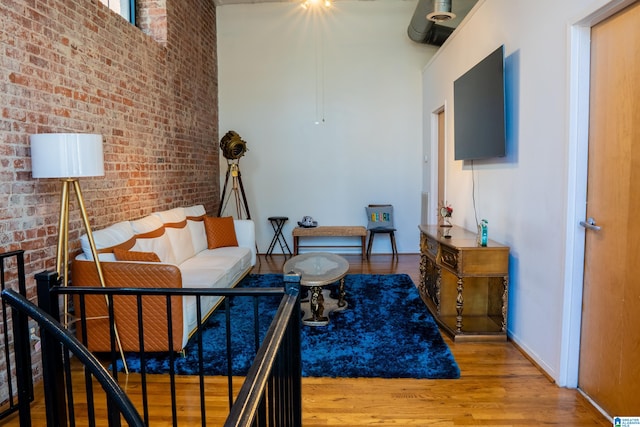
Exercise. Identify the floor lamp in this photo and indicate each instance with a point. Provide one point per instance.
(68, 157)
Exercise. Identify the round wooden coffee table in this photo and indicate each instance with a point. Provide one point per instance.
(318, 269)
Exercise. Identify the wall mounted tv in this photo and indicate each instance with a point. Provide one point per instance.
(479, 110)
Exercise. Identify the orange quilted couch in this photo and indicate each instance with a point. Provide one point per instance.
(167, 249)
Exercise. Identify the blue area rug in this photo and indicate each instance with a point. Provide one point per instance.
(385, 332)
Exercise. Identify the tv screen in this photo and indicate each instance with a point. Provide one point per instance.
(479, 112)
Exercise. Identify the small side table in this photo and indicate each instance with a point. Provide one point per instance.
(277, 223)
(318, 269)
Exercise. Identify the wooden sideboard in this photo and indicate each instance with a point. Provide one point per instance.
(464, 285)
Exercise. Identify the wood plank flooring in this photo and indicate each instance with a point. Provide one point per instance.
(499, 386)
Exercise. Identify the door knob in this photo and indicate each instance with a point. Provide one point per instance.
(590, 224)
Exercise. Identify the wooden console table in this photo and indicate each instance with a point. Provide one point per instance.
(330, 231)
(464, 285)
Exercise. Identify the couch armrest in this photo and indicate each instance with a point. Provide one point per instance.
(246, 236)
(129, 275)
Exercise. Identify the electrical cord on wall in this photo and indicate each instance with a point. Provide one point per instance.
(473, 193)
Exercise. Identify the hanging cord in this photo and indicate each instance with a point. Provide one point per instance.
(473, 193)
(319, 69)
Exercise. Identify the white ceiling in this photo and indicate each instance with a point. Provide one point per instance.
(222, 2)
(459, 7)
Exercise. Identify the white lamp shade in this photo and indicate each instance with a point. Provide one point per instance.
(66, 155)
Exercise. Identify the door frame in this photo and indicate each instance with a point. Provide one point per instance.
(433, 159)
(578, 136)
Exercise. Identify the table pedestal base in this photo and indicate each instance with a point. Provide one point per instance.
(321, 304)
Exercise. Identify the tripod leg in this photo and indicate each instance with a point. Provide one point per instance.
(237, 197)
(244, 196)
(224, 190)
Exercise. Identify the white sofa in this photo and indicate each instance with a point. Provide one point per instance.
(179, 240)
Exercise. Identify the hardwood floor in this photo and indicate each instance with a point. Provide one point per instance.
(499, 386)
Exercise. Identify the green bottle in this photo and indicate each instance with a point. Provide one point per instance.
(484, 231)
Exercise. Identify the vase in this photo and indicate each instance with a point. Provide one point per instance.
(446, 222)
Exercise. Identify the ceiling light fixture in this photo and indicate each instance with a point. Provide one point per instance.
(306, 4)
(441, 11)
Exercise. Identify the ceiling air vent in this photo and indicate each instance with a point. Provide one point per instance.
(441, 11)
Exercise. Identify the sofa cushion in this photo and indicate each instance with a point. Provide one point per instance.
(199, 273)
(235, 259)
(220, 232)
(195, 221)
(113, 235)
(125, 255)
(151, 237)
(175, 224)
(146, 225)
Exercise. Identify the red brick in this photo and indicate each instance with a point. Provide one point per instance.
(74, 66)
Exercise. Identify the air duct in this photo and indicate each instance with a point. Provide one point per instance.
(422, 30)
(441, 11)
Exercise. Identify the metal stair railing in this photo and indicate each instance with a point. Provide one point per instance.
(55, 340)
(270, 394)
(8, 392)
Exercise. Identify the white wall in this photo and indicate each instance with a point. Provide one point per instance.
(282, 68)
(524, 196)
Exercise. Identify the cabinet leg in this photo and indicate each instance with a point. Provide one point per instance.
(459, 305)
(505, 301)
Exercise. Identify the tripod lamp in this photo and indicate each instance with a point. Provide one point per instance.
(233, 148)
(68, 157)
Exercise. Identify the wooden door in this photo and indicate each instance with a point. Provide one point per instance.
(610, 343)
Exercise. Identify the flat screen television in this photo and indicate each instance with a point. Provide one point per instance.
(479, 110)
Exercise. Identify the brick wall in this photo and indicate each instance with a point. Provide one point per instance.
(74, 66)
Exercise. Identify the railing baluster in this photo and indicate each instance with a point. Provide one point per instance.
(143, 368)
(8, 358)
(203, 411)
(227, 316)
(23, 372)
(52, 377)
(172, 357)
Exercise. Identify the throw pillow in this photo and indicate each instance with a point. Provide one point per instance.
(220, 232)
(380, 217)
(125, 255)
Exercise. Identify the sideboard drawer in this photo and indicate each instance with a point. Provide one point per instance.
(428, 246)
(449, 257)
